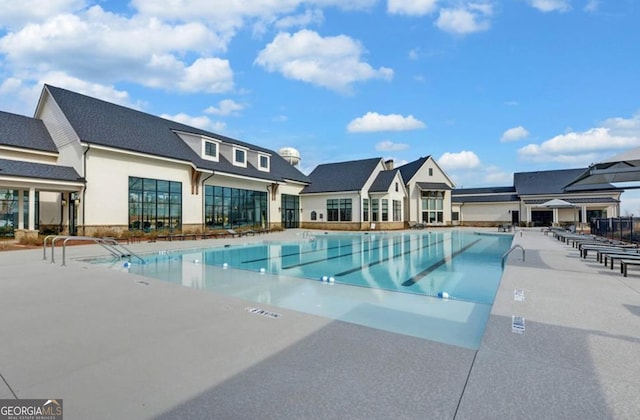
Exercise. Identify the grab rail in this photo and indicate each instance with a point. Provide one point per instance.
(513, 248)
(109, 244)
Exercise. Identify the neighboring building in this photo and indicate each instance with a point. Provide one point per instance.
(526, 202)
(371, 193)
(125, 169)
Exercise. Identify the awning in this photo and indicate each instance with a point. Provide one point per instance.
(621, 168)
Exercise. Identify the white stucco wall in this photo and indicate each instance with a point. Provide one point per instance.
(106, 199)
(414, 210)
(486, 212)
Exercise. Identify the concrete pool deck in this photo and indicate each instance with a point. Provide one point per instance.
(115, 345)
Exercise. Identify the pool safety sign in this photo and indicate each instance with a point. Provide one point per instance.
(263, 312)
(32, 409)
(517, 324)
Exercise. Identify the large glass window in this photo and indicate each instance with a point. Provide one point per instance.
(154, 204)
(374, 209)
(339, 210)
(385, 210)
(226, 207)
(365, 210)
(211, 149)
(432, 206)
(397, 210)
(9, 211)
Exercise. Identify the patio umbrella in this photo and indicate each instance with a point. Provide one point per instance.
(557, 203)
(621, 168)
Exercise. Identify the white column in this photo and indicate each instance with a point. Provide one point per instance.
(32, 208)
(20, 209)
(556, 219)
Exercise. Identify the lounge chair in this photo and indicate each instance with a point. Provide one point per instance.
(233, 233)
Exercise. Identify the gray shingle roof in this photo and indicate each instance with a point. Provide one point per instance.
(38, 170)
(25, 132)
(341, 176)
(383, 181)
(410, 169)
(500, 198)
(107, 124)
(433, 186)
(546, 182)
(581, 200)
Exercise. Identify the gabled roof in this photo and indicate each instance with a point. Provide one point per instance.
(483, 190)
(409, 170)
(25, 132)
(341, 176)
(547, 182)
(23, 169)
(383, 181)
(103, 123)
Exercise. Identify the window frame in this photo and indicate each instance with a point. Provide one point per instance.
(214, 158)
(245, 152)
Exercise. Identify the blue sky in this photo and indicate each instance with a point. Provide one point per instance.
(487, 88)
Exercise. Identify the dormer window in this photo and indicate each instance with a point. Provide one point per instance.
(240, 157)
(264, 163)
(210, 150)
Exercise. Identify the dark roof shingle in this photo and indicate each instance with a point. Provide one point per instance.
(341, 176)
(107, 124)
(23, 169)
(25, 132)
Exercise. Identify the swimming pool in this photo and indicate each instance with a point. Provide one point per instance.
(390, 281)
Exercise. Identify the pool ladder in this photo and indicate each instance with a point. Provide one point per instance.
(110, 244)
(513, 248)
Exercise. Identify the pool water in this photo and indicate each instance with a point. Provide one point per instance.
(390, 281)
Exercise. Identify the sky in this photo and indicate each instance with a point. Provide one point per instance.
(486, 87)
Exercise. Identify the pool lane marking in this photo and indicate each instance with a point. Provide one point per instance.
(335, 257)
(362, 267)
(298, 253)
(413, 280)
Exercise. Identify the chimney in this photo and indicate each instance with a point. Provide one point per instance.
(388, 164)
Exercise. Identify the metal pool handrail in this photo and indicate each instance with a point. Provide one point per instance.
(109, 244)
(513, 248)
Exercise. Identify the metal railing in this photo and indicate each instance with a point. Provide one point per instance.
(114, 247)
(513, 248)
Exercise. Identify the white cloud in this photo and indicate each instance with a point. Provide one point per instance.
(465, 20)
(372, 121)
(411, 7)
(515, 133)
(551, 5)
(414, 54)
(17, 13)
(389, 146)
(225, 107)
(592, 6)
(309, 17)
(461, 160)
(614, 134)
(199, 122)
(331, 62)
(96, 45)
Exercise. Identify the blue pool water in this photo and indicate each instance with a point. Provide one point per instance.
(390, 281)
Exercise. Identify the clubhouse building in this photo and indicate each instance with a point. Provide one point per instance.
(84, 166)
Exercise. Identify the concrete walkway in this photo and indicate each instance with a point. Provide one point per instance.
(114, 345)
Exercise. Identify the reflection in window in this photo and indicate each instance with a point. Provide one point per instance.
(154, 204)
(232, 207)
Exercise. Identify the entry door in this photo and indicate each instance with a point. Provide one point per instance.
(515, 217)
(290, 211)
(73, 211)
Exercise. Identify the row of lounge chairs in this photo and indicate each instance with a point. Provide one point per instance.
(607, 251)
(212, 234)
